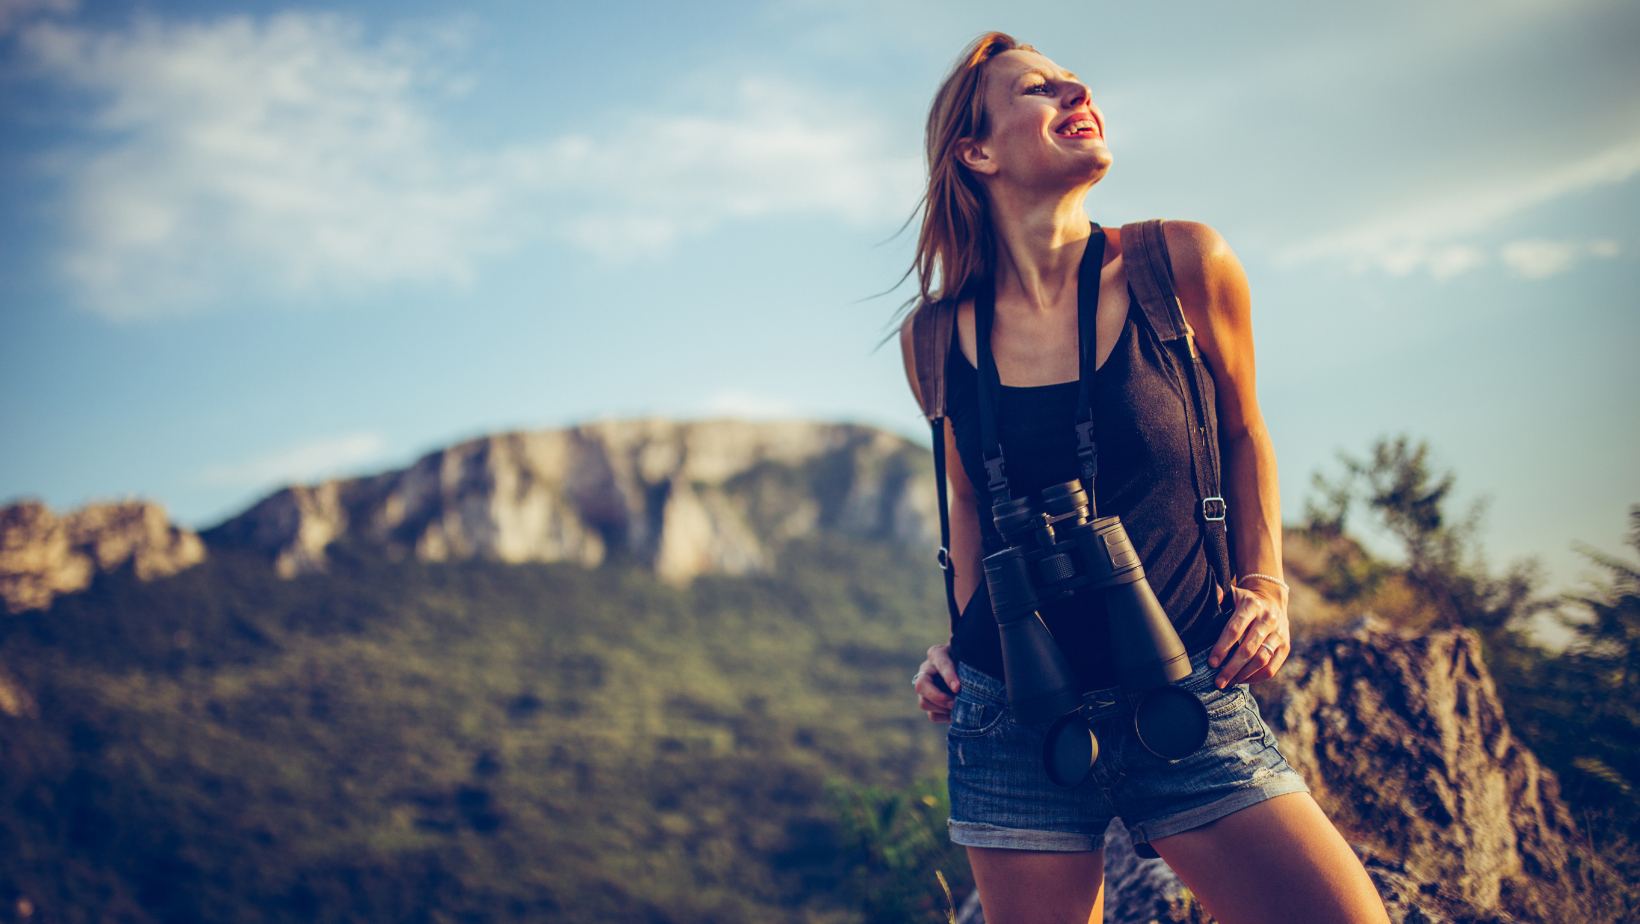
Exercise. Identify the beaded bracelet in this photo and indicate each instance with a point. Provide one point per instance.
(1267, 577)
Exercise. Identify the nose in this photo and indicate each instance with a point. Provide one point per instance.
(1075, 93)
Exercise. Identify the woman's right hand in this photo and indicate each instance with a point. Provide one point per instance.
(931, 699)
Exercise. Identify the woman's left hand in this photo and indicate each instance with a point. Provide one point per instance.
(1256, 640)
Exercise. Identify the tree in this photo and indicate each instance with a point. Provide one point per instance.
(1598, 678)
(1444, 566)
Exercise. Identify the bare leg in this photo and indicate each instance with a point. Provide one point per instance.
(1278, 861)
(1036, 887)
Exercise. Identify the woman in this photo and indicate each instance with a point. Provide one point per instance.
(1014, 146)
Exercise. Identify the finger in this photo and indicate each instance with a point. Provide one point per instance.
(1271, 665)
(1246, 651)
(1259, 660)
(1270, 669)
(1246, 610)
(1255, 663)
(939, 657)
(935, 713)
(1237, 643)
(929, 691)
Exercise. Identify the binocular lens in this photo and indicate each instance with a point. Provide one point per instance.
(1069, 750)
(1013, 517)
(1171, 722)
(1061, 499)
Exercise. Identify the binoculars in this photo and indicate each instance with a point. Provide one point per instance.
(1055, 551)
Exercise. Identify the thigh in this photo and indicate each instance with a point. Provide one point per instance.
(1039, 887)
(1277, 861)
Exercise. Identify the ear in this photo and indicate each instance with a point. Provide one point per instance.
(973, 155)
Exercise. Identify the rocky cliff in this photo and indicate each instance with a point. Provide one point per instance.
(43, 555)
(683, 498)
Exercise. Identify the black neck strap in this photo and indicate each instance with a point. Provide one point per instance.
(990, 382)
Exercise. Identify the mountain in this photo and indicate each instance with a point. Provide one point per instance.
(43, 555)
(682, 499)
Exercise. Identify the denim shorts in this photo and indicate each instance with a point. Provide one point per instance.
(1001, 797)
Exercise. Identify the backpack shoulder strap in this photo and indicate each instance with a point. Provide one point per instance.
(1149, 270)
(926, 339)
(930, 329)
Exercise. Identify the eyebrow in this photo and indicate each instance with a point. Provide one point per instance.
(1047, 76)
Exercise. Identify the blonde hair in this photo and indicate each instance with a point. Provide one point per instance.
(954, 247)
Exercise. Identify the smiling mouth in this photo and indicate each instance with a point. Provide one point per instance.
(1080, 128)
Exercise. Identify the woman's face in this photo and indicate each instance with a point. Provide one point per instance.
(1044, 131)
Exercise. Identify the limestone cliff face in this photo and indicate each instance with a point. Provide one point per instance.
(683, 498)
(43, 555)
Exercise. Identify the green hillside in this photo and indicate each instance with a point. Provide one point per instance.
(474, 742)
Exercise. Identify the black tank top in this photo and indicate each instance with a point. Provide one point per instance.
(1145, 477)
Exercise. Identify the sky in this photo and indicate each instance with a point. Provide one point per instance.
(249, 243)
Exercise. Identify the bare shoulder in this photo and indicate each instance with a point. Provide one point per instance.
(1206, 273)
(1198, 250)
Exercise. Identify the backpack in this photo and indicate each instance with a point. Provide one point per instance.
(932, 327)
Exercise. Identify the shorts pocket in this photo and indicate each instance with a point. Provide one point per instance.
(1221, 703)
(1231, 715)
(973, 718)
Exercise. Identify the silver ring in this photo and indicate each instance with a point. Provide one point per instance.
(1266, 646)
(916, 677)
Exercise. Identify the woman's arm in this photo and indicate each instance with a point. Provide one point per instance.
(1212, 290)
(964, 551)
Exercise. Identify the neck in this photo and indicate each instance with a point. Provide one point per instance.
(1040, 240)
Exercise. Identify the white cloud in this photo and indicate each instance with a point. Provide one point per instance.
(292, 156)
(794, 153)
(307, 461)
(245, 154)
(1422, 235)
(746, 405)
(1450, 261)
(1537, 258)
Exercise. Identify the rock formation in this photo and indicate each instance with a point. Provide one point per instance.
(683, 498)
(43, 555)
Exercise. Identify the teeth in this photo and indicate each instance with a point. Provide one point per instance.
(1078, 126)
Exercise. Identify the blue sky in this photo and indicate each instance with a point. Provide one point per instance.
(245, 243)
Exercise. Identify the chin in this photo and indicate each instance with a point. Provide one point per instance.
(1097, 165)
(1103, 156)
